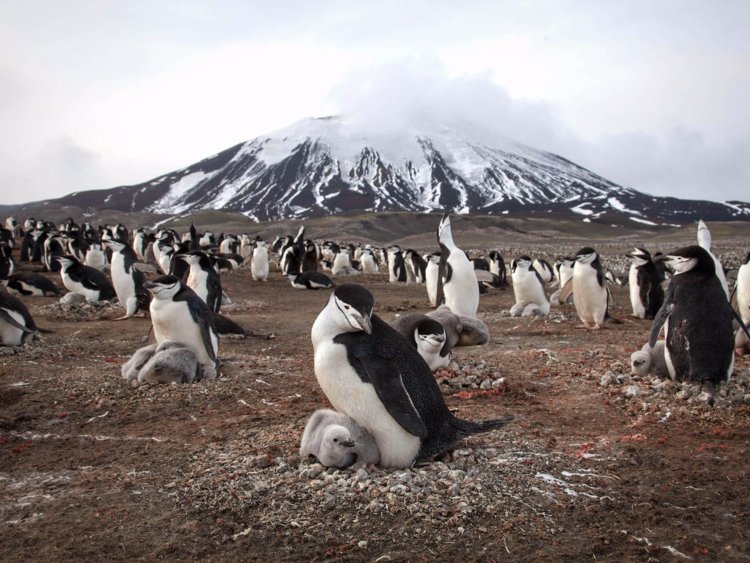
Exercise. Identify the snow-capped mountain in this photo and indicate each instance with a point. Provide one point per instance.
(330, 165)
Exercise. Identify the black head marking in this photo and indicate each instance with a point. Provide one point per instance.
(357, 297)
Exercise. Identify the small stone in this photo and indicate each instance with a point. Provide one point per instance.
(486, 385)
(607, 379)
(362, 544)
(631, 391)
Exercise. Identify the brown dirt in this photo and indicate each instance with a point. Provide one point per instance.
(92, 468)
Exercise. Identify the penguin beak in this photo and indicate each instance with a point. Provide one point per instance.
(347, 443)
(149, 285)
(364, 322)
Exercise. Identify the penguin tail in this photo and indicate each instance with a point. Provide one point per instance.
(610, 319)
(468, 427)
(44, 330)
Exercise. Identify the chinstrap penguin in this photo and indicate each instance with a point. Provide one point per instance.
(457, 282)
(30, 283)
(645, 281)
(697, 319)
(85, 280)
(16, 323)
(178, 314)
(529, 289)
(427, 336)
(370, 373)
(311, 280)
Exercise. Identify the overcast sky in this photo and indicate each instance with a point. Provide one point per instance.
(654, 95)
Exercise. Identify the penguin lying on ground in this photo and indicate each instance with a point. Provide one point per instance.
(311, 280)
(370, 373)
(16, 323)
(649, 360)
(85, 280)
(335, 440)
(428, 337)
(30, 283)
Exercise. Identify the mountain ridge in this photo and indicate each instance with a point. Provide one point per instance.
(324, 166)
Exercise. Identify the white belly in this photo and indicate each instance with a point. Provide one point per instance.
(259, 264)
(349, 395)
(589, 297)
(122, 282)
(743, 293)
(172, 321)
(10, 335)
(197, 282)
(635, 298)
(462, 291)
(368, 265)
(527, 289)
(431, 281)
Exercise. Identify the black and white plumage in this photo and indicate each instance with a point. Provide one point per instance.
(697, 319)
(30, 283)
(457, 283)
(645, 283)
(396, 265)
(428, 337)
(335, 440)
(370, 373)
(7, 264)
(178, 314)
(432, 271)
(259, 261)
(543, 268)
(529, 289)
(415, 266)
(16, 323)
(203, 278)
(311, 280)
(85, 280)
(497, 267)
(742, 291)
(127, 279)
(368, 262)
(590, 292)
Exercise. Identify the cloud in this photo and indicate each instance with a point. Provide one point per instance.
(65, 166)
(420, 93)
(679, 161)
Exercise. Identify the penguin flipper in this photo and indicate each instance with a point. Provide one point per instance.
(386, 377)
(392, 393)
(201, 315)
(5, 316)
(566, 290)
(737, 317)
(661, 317)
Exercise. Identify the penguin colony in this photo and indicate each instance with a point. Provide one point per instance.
(378, 377)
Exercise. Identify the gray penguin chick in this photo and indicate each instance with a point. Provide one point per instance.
(131, 368)
(171, 363)
(335, 440)
(469, 331)
(649, 360)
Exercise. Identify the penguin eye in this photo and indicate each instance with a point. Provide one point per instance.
(335, 440)
(347, 307)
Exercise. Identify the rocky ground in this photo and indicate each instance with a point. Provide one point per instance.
(597, 464)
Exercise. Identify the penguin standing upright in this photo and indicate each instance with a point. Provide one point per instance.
(497, 267)
(127, 279)
(96, 257)
(178, 314)
(457, 283)
(396, 266)
(704, 241)
(698, 321)
(415, 265)
(85, 280)
(431, 274)
(529, 289)
(311, 257)
(542, 267)
(203, 279)
(590, 293)
(371, 374)
(742, 298)
(259, 261)
(368, 263)
(644, 280)
(742, 291)
(16, 323)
